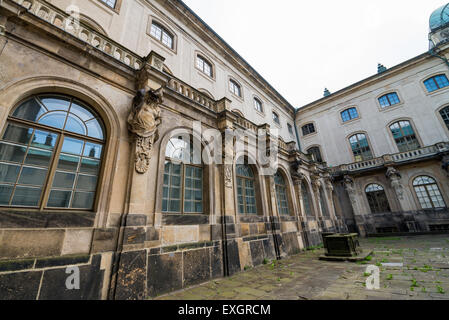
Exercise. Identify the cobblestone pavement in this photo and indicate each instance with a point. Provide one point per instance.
(424, 275)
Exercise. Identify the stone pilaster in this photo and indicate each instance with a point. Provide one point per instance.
(353, 197)
(316, 185)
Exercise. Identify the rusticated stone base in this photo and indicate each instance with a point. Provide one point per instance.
(45, 278)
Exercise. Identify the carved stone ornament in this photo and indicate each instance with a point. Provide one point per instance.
(329, 185)
(350, 189)
(316, 183)
(395, 179)
(298, 177)
(143, 122)
(228, 176)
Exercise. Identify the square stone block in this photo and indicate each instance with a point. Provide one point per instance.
(164, 273)
(196, 266)
(77, 242)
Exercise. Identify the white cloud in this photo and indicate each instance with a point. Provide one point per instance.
(300, 47)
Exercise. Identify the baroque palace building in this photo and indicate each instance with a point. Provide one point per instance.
(139, 151)
(385, 141)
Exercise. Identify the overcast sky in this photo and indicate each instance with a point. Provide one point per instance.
(300, 47)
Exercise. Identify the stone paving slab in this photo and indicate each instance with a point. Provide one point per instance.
(424, 275)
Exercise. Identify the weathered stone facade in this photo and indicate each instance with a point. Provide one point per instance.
(146, 92)
(128, 247)
(398, 120)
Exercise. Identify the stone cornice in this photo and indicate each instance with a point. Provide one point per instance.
(391, 72)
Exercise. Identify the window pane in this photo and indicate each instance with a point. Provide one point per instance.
(30, 110)
(12, 153)
(72, 146)
(38, 157)
(44, 140)
(74, 124)
(28, 197)
(110, 3)
(69, 163)
(156, 31)
(81, 111)
(88, 183)
(90, 166)
(59, 199)
(55, 119)
(33, 176)
(64, 180)
(94, 129)
(83, 200)
(445, 115)
(55, 103)
(5, 194)
(92, 150)
(19, 134)
(442, 81)
(9, 172)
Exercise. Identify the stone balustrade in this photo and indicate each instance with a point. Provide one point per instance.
(246, 124)
(396, 158)
(78, 29)
(192, 94)
(418, 153)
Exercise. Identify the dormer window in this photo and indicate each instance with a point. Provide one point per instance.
(276, 118)
(204, 66)
(162, 35)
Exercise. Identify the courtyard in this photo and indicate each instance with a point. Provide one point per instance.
(411, 268)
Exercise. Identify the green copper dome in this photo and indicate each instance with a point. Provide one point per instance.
(439, 18)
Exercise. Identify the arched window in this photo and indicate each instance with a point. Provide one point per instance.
(183, 177)
(308, 129)
(445, 115)
(276, 118)
(235, 88)
(389, 100)
(162, 35)
(437, 82)
(204, 66)
(306, 199)
(404, 135)
(323, 203)
(246, 189)
(349, 114)
(377, 198)
(258, 105)
(360, 147)
(281, 194)
(50, 154)
(428, 193)
(316, 154)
